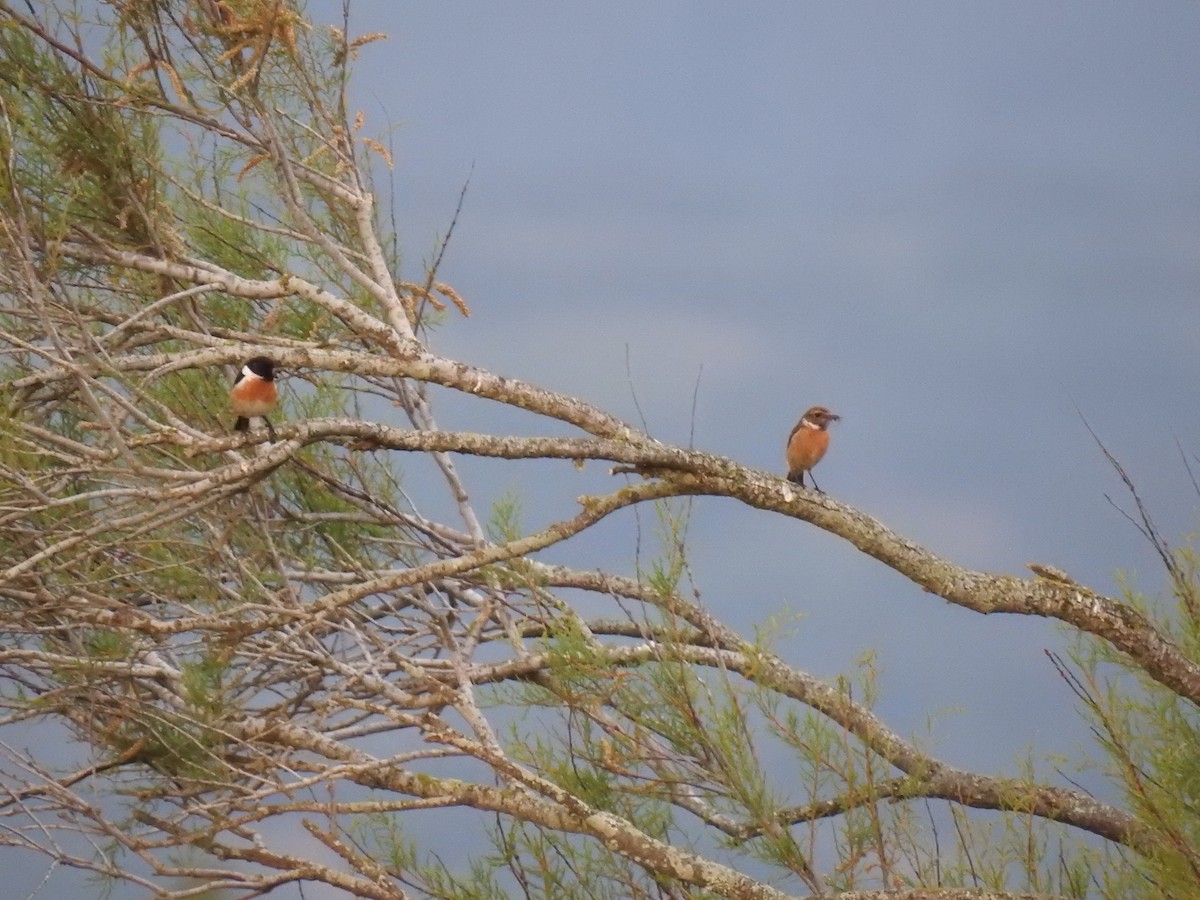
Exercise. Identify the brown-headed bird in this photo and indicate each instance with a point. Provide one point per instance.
(807, 444)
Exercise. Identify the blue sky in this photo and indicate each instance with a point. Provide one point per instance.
(961, 226)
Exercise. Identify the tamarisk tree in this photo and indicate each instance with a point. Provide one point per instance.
(235, 663)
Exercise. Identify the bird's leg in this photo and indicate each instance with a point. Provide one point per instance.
(270, 427)
(814, 481)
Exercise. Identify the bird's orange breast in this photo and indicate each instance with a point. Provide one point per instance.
(805, 448)
(253, 397)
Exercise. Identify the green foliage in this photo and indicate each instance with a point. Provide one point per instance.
(1150, 738)
(665, 571)
(203, 684)
(505, 522)
(87, 159)
(106, 645)
(226, 236)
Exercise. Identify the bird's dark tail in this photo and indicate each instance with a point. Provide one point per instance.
(798, 478)
(242, 424)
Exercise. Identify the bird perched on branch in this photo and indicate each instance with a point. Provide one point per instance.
(254, 394)
(807, 444)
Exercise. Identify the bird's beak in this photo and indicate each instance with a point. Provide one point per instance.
(834, 417)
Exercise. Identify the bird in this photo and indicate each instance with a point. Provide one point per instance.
(807, 443)
(254, 394)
